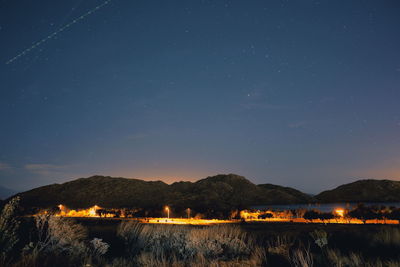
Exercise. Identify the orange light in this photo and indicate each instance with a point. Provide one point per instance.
(255, 215)
(167, 209)
(339, 212)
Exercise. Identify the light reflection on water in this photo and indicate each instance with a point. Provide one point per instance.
(326, 207)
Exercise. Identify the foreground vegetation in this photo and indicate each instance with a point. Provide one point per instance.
(47, 240)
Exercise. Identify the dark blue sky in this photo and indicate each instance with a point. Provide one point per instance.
(298, 93)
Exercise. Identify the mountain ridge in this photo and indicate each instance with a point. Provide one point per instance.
(219, 192)
(364, 190)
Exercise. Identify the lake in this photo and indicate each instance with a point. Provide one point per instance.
(327, 207)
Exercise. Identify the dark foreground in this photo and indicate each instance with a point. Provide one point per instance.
(92, 242)
(368, 243)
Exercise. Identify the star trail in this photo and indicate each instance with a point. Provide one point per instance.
(60, 30)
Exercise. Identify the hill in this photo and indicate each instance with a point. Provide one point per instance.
(100, 190)
(363, 191)
(277, 194)
(216, 193)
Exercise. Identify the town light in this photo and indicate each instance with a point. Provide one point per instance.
(167, 209)
(339, 212)
(188, 212)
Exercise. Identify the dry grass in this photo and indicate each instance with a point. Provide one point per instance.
(302, 258)
(387, 236)
(9, 226)
(280, 245)
(61, 242)
(147, 260)
(121, 262)
(337, 259)
(170, 245)
(59, 235)
(392, 263)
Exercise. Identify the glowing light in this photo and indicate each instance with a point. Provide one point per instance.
(167, 209)
(248, 216)
(190, 221)
(339, 212)
(188, 212)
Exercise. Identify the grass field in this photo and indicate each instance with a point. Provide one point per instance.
(47, 240)
(372, 243)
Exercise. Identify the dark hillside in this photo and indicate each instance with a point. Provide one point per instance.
(216, 193)
(363, 191)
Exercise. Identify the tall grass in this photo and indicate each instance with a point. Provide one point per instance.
(387, 236)
(302, 257)
(8, 230)
(280, 245)
(61, 242)
(182, 245)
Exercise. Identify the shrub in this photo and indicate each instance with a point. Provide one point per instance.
(98, 248)
(185, 244)
(320, 238)
(60, 235)
(8, 229)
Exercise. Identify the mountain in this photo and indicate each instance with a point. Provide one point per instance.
(217, 193)
(363, 191)
(101, 190)
(278, 194)
(6, 192)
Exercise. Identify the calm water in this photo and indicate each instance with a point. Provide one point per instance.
(323, 207)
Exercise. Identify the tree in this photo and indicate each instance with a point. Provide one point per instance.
(311, 215)
(326, 216)
(394, 214)
(363, 213)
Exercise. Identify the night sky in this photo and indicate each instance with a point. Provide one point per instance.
(298, 93)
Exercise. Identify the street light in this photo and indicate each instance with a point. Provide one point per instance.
(167, 209)
(188, 212)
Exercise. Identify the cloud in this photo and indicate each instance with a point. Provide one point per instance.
(5, 166)
(45, 169)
